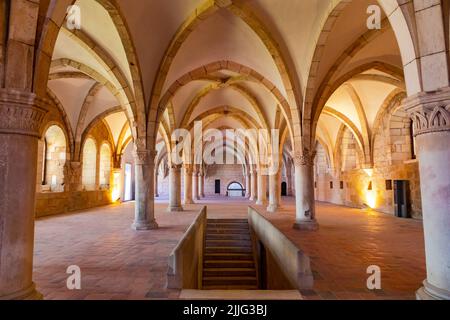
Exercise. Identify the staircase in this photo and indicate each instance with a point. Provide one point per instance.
(229, 262)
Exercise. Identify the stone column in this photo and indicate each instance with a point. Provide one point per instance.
(21, 116)
(304, 192)
(144, 211)
(273, 190)
(247, 185)
(431, 117)
(200, 185)
(253, 185)
(289, 182)
(175, 188)
(156, 183)
(279, 181)
(195, 195)
(188, 184)
(262, 187)
(202, 194)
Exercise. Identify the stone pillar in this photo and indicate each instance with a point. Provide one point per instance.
(21, 116)
(289, 182)
(304, 192)
(279, 181)
(156, 183)
(203, 178)
(175, 188)
(262, 187)
(195, 189)
(273, 193)
(200, 185)
(253, 185)
(431, 117)
(247, 185)
(188, 184)
(144, 211)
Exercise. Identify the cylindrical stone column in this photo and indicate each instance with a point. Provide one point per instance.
(175, 189)
(188, 184)
(247, 185)
(144, 211)
(21, 115)
(253, 185)
(304, 193)
(431, 117)
(289, 182)
(273, 196)
(262, 188)
(200, 185)
(195, 195)
(156, 183)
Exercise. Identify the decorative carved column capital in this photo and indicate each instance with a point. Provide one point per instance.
(21, 112)
(143, 156)
(305, 158)
(188, 168)
(175, 167)
(430, 112)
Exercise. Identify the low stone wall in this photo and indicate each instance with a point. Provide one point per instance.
(53, 203)
(186, 260)
(286, 266)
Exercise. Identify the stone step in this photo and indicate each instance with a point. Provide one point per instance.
(230, 287)
(229, 281)
(214, 256)
(224, 236)
(227, 221)
(228, 250)
(226, 231)
(227, 226)
(229, 264)
(229, 272)
(228, 243)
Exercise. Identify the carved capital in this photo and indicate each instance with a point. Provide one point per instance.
(188, 168)
(144, 157)
(305, 158)
(175, 167)
(21, 112)
(430, 112)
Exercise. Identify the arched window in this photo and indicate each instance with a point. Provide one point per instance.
(89, 165)
(105, 166)
(235, 189)
(54, 159)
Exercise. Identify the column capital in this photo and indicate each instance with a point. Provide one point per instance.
(143, 156)
(21, 112)
(304, 158)
(174, 166)
(188, 168)
(430, 112)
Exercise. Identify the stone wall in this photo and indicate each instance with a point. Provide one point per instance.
(356, 182)
(51, 203)
(226, 174)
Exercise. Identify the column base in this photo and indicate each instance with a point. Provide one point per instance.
(143, 226)
(28, 294)
(175, 209)
(430, 292)
(310, 225)
(260, 203)
(189, 202)
(272, 208)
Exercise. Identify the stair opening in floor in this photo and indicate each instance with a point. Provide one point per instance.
(229, 261)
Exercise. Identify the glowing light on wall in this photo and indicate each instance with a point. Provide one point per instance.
(371, 199)
(115, 190)
(369, 172)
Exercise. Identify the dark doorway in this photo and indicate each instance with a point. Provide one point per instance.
(284, 189)
(217, 187)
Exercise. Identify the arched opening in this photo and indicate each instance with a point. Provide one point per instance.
(89, 165)
(284, 189)
(235, 190)
(54, 152)
(105, 166)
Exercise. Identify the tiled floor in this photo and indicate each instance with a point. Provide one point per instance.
(119, 263)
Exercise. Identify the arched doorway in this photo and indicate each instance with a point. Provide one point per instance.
(235, 190)
(284, 189)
